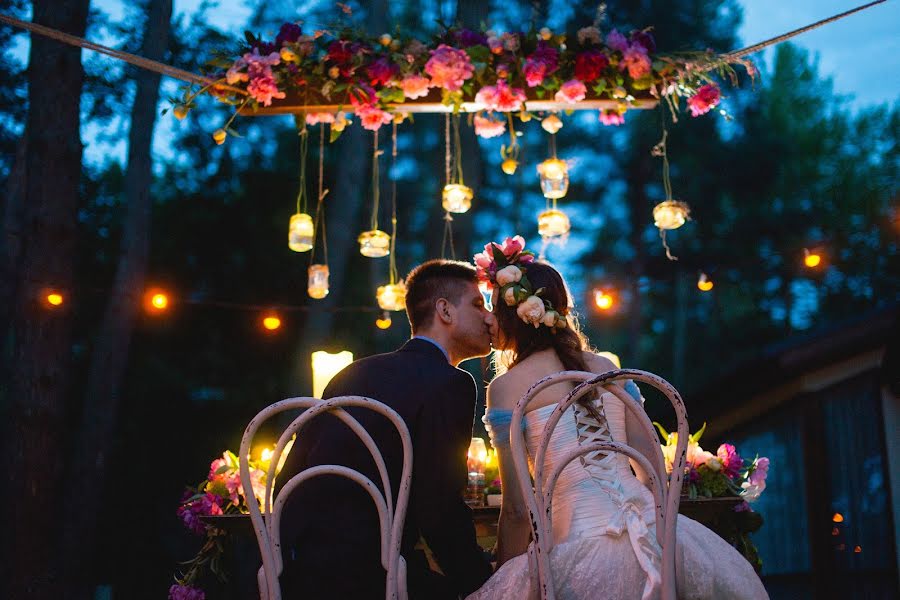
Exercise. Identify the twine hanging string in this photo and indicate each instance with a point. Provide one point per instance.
(393, 258)
(447, 149)
(376, 178)
(660, 150)
(448, 170)
(304, 142)
(320, 208)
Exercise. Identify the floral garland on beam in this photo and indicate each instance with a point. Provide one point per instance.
(473, 71)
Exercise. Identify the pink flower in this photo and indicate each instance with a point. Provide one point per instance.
(616, 41)
(214, 466)
(612, 116)
(449, 68)
(185, 592)
(487, 128)
(372, 117)
(731, 460)
(190, 513)
(759, 474)
(501, 97)
(513, 245)
(264, 89)
(540, 63)
(316, 118)
(637, 62)
(571, 92)
(415, 86)
(706, 98)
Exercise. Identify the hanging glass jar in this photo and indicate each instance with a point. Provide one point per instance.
(374, 243)
(554, 178)
(553, 222)
(670, 214)
(317, 286)
(391, 296)
(457, 198)
(300, 232)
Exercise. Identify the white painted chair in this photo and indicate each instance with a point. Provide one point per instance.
(266, 522)
(594, 438)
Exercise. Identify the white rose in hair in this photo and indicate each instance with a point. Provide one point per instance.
(510, 296)
(531, 311)
(550, 318)
(508, 274)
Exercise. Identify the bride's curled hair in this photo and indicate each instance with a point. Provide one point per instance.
(521, 339)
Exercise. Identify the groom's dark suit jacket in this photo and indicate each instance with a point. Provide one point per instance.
(330, 537)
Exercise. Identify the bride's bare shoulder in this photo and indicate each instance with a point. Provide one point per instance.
(501, 391)
(598, 364)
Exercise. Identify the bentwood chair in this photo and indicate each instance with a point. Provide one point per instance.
(266, 522)
(595, 442)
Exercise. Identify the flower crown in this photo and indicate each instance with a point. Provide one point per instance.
(504, 266)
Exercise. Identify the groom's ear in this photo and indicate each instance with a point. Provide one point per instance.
(443, 311)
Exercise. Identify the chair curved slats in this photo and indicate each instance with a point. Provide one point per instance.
(666, 489)
(391, 518)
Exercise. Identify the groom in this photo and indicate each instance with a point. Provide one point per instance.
(330, 535)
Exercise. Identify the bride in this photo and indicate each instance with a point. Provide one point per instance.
(605, 544)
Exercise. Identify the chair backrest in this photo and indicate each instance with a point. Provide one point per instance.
(538, 495)
(266, 522)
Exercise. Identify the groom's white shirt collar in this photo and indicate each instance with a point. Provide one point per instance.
(428, 339)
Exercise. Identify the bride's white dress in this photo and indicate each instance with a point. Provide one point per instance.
(603, 529)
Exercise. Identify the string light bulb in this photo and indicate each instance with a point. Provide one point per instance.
(53, 298)
(384, 321)
(603, 299)
(156, 301)
(703, 283)
(271, 322)
(811, 258)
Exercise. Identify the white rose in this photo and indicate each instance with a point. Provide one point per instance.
(510, 296)
(531, 311)
(550, 318)
(509, 274)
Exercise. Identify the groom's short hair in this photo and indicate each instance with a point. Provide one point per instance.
(432, 280)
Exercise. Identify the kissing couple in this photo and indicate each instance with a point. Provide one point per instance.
(603, 516)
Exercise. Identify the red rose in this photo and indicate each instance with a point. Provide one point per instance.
(589, 65)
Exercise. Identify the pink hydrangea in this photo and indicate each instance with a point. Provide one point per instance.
(616, 41)
(612, 117)
(414, 86)
(449, 68)
(571, 92)
(372, 117)
(501, 97)
(706, 98)
(731, 460)
(185, 592)
(322, 117)
(487, 128)
(637, 62)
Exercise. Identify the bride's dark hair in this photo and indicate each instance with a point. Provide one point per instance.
(524, 339)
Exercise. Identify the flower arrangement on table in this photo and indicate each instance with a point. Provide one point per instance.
(221, 493)
(720, 475)
(499, 71)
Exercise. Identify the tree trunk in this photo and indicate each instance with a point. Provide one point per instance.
(110, 353)
(41, 338)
